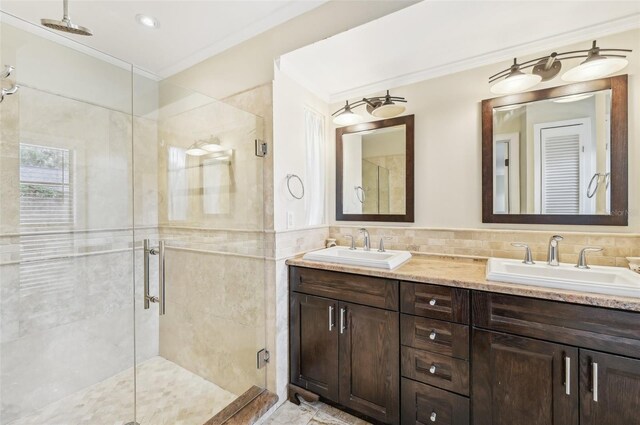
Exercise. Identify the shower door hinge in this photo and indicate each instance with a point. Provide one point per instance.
(261, 148)
(263, 358)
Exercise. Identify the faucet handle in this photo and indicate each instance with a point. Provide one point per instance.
(582, 258)
(381, 245)
(556, 238)
(353, 242)
(528, 258)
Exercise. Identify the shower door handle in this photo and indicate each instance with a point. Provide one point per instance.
(160, 299)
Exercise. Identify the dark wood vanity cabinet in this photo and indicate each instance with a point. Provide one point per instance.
(523, 381)
(544, 362)
(415, 353)
(346, 352)
(315, 367)
(609, 389)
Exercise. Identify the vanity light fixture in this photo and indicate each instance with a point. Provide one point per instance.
(345, 116)
(147, 21)
(379, 106)
(599, 63)
(515, 81)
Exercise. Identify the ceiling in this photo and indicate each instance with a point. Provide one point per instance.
(434, 38)
(189, 31)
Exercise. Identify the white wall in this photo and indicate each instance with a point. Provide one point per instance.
(448, 172)
(289, 152)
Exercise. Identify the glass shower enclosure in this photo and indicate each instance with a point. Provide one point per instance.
(131, 241)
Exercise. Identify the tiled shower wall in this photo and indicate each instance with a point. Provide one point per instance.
(497, 243)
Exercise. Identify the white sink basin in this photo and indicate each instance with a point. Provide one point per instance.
(597, 279)
(359, 257)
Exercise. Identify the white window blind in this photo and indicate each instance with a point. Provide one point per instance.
(46, 197)
(46, 202)
(561, 174)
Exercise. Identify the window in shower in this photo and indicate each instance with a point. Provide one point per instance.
(46, 200)
(46, 196)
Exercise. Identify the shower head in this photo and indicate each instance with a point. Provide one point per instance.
(65, 24)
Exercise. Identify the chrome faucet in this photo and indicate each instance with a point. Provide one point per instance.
(367, 244)
(553, 256)
(582, 258)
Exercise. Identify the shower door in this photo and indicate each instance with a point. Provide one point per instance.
(198, 206)
(95, 159)
(66, 232)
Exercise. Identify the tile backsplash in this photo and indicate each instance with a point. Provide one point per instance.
(497, 243)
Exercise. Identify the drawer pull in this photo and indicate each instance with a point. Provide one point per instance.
(594, 372)
(432, 369)
(331, 322)
(567, 375)
(432, 335)
(432, 301)
(433, 417)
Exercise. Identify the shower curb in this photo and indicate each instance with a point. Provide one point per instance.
(246, 409)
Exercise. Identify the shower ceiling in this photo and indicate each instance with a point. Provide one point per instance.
(190, 31)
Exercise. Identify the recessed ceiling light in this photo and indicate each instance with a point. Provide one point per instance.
(147, 21)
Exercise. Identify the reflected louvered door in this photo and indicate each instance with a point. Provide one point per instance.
(562, 169)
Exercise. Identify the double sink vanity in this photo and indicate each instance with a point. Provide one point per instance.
(420, 339)
(423, 339)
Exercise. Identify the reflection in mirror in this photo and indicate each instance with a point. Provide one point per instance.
(557, 155)
(374, 170)
(553, 156)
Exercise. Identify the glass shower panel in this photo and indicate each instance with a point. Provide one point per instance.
(66, 227)
(199, 191)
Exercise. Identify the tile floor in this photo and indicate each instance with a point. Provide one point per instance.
(311, 414)
(189, 400)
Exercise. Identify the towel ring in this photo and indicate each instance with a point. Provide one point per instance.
(295, 176)
(592, 189)
(360, 194)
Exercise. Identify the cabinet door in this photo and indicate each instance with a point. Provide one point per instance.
(314, 344)
(609, 389)
(369, 361)
(521, 381)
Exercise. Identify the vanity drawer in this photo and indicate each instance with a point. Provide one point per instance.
(423, 404)
(436, 302)
(597, 328)
(358, 289)
(436, 336)
(435, 369)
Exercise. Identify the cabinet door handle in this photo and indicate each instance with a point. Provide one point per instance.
(567, 375)
(433, 417)
(331, 322)
(594, 373)
(343, 320)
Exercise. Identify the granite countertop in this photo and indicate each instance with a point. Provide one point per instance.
(469, 273)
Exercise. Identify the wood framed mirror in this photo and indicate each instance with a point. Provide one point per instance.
(557, 156)
(374, 171)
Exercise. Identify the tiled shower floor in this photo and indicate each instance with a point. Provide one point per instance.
(167, 395)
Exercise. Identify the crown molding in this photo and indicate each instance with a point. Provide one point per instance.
(493, 57)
